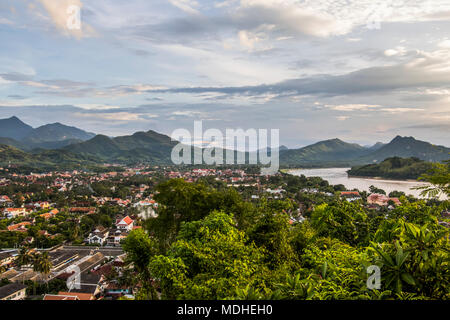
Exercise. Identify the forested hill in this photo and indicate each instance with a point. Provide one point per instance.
(393, 168)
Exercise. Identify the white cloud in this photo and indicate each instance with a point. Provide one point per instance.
(352, 107)
(398, 51)
(116, 116)
(186, 5)
(401, 110)
(60, 16)
(445, 44)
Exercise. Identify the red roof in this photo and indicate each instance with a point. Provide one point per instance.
(350, 193)
(127, 220)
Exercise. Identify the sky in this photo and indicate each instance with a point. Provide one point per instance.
(360, 70)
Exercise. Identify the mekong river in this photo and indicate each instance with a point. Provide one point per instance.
(339, 176)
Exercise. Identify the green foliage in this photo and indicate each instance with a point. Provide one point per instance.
(439, 177)
(393, 168)
(210, 244)
(210, 260)
(181, 201)
(343, 220)
(274, 233)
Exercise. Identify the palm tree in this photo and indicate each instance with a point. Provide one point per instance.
(25, 257)
(43, 265)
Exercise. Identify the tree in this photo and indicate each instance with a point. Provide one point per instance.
(210, 260)
(374, 189)
(42, 264)
(25, 257)
(181, 201)
(274, 233)
(439, 177)
(140, 248)
(341, 220)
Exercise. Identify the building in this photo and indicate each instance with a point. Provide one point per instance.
(98, 236)
(6, 259)
(381, 200)
(351, 195)
(19, 226)
(125, 224)
(68, 296)
(13, 291)
(14, 212)
(115, 238)
(5, 201)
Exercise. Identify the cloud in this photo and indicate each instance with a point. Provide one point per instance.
(116, 116)
(425, 70)
(16, 76)
(62, 17)
(352, 107)
(70, 88)
(444, 44)
(186, 5)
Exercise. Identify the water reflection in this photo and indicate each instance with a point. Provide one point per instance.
(339, 176)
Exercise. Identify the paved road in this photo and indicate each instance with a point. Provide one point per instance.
(104, 250)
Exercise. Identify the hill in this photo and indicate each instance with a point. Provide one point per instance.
(407, 147)
(15, 133)
(330, 151)
(56, 132)
(14, 128)
(142, 146)
(393, 168)
(46, 160)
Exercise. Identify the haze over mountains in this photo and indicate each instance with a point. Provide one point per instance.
(57, 144)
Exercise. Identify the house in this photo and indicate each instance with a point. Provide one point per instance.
(68, 296)
(115, 238)
(19, 226)
(13, 291)
(14, 212)
(98, 236)
(82, 210)
(50, 214)
(6, 259)
(381, 200)
(350, 196)
(5, 201)
(42, 205)
(125, 224)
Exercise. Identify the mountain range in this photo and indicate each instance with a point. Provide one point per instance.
(58, 144)
(14, 132)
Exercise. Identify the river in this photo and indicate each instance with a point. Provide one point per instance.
(339, 176)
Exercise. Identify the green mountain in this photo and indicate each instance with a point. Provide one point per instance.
(46, 160)
(57, 144)
(15, 133)
(13, 143)
(14, 128)
(142, 146)
(393, 168)
(56, 132)
(326, 152)
(407, 147)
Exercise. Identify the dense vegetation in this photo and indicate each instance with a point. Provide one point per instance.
(209, 243)
(394, 168)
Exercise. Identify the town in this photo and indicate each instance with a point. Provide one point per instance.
(53, 224)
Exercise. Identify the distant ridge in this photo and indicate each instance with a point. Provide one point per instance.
(75, 146)
(334, 150)
(14, 128)
(407, 147)
(16, 133)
